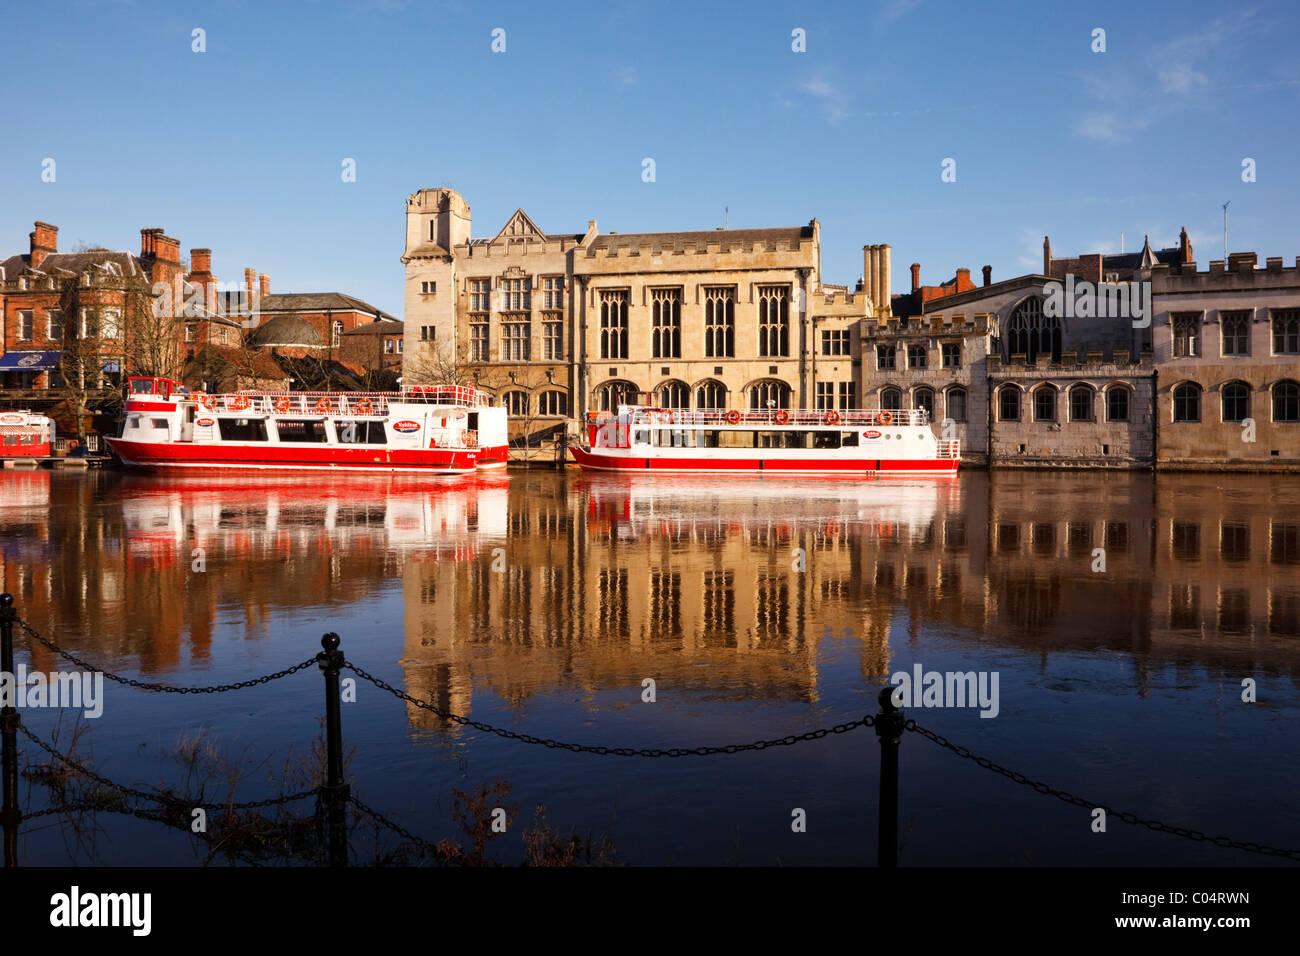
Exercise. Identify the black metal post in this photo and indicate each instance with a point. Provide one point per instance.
(336, 791)
(889, 728)
(9, 813)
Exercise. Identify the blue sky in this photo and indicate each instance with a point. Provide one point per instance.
(240, 148)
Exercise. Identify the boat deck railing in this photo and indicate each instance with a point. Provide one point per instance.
(342, 403)
(779, 417)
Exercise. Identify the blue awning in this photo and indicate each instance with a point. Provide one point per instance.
(28, 361)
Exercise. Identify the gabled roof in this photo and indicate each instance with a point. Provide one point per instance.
(519, 226)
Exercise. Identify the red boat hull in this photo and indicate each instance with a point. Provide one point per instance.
(170, 455)
(836, 467)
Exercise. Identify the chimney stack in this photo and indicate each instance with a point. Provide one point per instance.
(264, 282)
(200, 262)
(44, 241)
(166, 248)
(963, 279)
(250, 280)
(1184, 247)
(916, 276)
(155, 244)
(868, 276)
(1047, 256)
(885, 302)
(988, 275)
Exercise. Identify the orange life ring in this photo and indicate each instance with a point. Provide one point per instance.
(322, 407)
(281, 405)
(464, 438)
(364, 407)
(72, 444)
(832, 417)
(239, 403)
(671, 417)
(886, 418)
(733, 417)
(782, 417)
(207, 401)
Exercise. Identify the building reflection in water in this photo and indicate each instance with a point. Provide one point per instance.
(602, 582)
(731, 590)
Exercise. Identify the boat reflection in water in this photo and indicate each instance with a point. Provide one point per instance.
(142, 571)
(257, 518)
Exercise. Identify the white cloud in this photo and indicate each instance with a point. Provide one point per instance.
(1180, 78)
(1110, 126)
(833, 100)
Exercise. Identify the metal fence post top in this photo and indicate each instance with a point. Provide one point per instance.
(6, 600)
(886, 698)
(330, 642)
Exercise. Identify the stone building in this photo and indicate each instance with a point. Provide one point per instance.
(1227, 350)
(557, 325)
(932, 361)
(1025, 372)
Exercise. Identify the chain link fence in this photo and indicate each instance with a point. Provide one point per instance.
(167, 802)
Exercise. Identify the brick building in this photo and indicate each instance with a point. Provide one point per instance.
(120, 318)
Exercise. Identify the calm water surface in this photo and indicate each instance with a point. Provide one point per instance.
(539, 602)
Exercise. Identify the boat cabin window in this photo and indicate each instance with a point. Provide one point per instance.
(641, 437)
(242, 429)
(673, 438)
(301, 430)
(826, 439)
(848, 439)
(360, 433)
(158, 422)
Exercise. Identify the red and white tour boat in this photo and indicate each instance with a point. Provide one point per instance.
(881, 443)
(24, 435)
(447, 430)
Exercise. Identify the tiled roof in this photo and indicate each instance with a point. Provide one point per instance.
(383, 327)
(285, 330)
(317, 302)
(256, 364)
(74, 263)
(728, 236)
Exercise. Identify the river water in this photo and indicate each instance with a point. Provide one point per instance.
(1124, 616)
